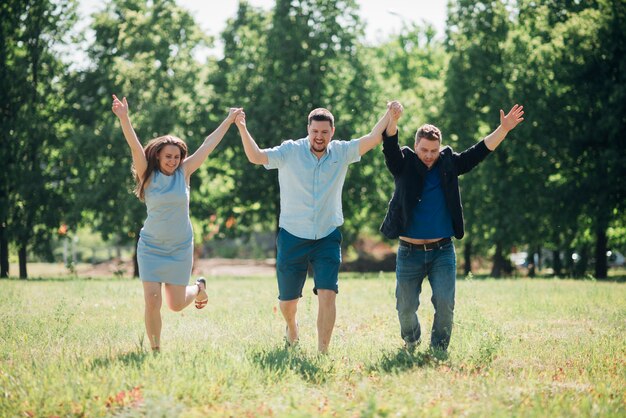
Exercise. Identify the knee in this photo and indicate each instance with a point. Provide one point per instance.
(443, 304)
(174, 307)
(406, 311)
(153, 302)
(326, 297)
(288, 305)
(407, 305)
(326, 294)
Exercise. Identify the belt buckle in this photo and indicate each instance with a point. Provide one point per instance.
(426, 248)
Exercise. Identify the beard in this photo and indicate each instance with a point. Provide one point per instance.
(318, 147)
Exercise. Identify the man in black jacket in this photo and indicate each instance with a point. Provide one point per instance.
(424, 213)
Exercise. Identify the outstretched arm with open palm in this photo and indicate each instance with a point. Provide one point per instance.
(120, 108)
(507, 123)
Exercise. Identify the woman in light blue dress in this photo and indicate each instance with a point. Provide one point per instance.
(165, 248)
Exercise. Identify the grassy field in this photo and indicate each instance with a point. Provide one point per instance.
(519, 348)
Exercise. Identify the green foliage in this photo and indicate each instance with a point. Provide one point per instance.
(235, 196)
(477, 87)
(557, 182)
(519, 348)
(410, 67)
(279, 66)
(143, 51)
(32, 81)
(572, 69)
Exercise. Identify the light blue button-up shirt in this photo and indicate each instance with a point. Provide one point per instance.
(310, 189)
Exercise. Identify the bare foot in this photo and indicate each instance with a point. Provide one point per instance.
(291, 335)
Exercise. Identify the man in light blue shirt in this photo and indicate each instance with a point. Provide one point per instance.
(311, 173)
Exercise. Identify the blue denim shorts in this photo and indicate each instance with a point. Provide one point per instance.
(293, 257)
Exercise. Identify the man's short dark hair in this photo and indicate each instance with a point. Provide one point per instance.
(429, 132)
(321, 114)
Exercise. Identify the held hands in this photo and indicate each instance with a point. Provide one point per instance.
(240, 119)
(232, 113)
(395, 110)
(120, 108)
(513, 118)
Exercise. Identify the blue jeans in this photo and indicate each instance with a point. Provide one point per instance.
(412, 265)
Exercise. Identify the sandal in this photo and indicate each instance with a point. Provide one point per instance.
(201, 303)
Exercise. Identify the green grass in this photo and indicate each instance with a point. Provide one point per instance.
(519, 348)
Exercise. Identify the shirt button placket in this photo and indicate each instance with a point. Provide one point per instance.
(316, 183)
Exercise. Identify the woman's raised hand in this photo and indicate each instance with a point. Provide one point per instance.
(120, 108)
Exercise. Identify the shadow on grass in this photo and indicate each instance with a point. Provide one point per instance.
(402, 359)
(281, 360)
(131, 358)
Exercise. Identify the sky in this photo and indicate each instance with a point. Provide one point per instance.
(381, 17)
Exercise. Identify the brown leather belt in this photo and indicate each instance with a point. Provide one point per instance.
(426, 247)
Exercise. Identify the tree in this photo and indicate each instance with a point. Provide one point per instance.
(409, 67)
(33, 79)
(477, 87)
(144, 51)
(279, 67)
(574, 56)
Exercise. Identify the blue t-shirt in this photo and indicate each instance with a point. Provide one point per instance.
(431, 217)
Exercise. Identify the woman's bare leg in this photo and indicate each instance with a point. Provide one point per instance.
(153, 300)
(179, 297)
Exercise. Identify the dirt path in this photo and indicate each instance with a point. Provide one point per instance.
(202, 267)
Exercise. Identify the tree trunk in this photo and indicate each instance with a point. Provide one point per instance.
(569, 262)
(601, 262)
(556, 263)
(501, 266)
(22, 261)
(538, 251)
(135, 263)
(4, 252)
(530, 262)
(467, 257)
(580, 267)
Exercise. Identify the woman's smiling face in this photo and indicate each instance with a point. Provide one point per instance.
(169, 159)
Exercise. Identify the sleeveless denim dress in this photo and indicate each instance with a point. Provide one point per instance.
(165, 247)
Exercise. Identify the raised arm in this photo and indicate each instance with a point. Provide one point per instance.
(395, 111)
(194, 161)
(375, 137)
(120, 109)
(507, 123)
(394, 159)
(253, 152)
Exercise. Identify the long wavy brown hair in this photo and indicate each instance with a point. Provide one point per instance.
(151, 150)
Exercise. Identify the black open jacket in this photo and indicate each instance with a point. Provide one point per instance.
(409, 173)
